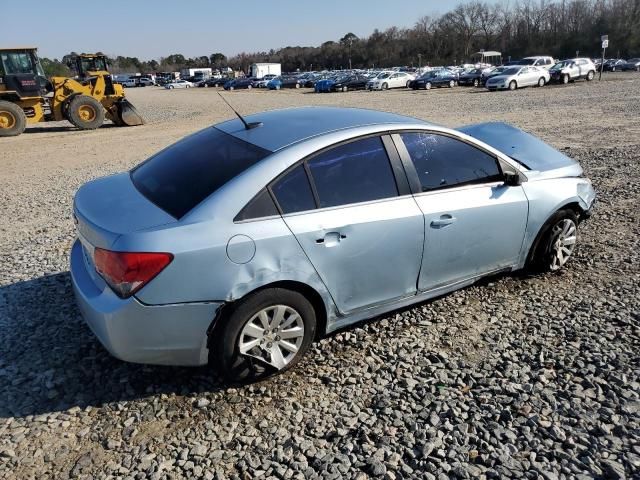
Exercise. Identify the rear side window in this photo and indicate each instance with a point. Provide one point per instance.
(293, 192)
(260, 206)
(184, 174)
(355, 172)
(443, 161)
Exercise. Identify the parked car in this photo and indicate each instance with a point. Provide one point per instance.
(573, 69)
(133, 82)
(545, 62)
(262, 83)
(434, 79)
(214, 82)
(350, 82)
(235, 247)
(632, 64)
(472, 77)
(146, 82)
(324, 85)
(178, 84)
(492, 73)
(239, 83)
(519, 77)
(389, 80)
(614, 65)
(283, 81)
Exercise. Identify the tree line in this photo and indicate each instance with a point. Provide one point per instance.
(560, 28)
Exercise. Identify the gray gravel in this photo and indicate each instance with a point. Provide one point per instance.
(523, 377)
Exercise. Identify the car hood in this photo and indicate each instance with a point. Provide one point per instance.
(523, 147)
(500, 77)
(109, 207)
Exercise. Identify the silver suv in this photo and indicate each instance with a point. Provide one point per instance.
(572, 69)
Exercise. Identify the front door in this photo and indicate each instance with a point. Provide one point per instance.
(474, 223)
(364, 239)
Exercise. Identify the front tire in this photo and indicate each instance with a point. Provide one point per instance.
(266, 333)
(541, 82)
(555, 243)
(86, 112)
(427, 86)
(513, 85)
(13, 121)
(565, 79)
(476, 82)
(385, 86)
(452, 84)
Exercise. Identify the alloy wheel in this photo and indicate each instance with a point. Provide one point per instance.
(273, 335)
(563, 242)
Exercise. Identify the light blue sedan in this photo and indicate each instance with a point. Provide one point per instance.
(240, 244)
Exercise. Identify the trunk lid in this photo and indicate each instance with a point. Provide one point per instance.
(109, 207)
(523, 147)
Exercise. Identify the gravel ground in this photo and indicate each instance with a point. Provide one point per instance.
(525, 377)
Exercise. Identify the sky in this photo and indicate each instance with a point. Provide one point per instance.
(153, 28)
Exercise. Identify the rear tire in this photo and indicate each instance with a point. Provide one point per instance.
(86, 112)
(544, 252)
(476, 82)
(226, 338)
(427, 86)
(452, 84)
(13, 121)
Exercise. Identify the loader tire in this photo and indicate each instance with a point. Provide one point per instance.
(12, 119)
(86, 112)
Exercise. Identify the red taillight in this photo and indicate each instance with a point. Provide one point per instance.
(128, 272)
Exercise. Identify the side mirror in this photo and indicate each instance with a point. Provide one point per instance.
(511, 179)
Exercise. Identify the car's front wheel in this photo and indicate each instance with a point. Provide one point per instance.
(541, 82)
(555, 244)
(513, 85)
(266, 333)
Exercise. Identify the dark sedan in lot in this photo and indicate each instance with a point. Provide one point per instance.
(350, 82)
(472, 77)
(439, 78)
(614, 65)
(632, 64)
(239, 83)
(284, 81)
(492, 73)
(213, 82)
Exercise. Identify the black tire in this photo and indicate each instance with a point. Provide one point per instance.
(541, 82)
(385, 86)
(86, 112)
(476, 82)
(513, 85)
(565, 79)
(13, 121)
(427, 86)
(452, 83)
(541, 254)
(224, 353)
(590, 75)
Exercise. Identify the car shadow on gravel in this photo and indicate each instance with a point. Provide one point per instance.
(50, 360)
(39, 129)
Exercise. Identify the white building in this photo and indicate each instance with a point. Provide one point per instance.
(259, 70)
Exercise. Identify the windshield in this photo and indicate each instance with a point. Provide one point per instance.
(511, 71)
(93, 64)
(17, 62)
(525, 61)
(560, 65)
(383, 75)
(181, 176)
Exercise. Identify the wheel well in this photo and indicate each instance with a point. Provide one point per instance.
(577, 209)
(309, 293)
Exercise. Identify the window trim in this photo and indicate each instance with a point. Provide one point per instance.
(396, 169)
(412, 173)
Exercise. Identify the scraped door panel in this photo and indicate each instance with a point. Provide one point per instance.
(366, 254)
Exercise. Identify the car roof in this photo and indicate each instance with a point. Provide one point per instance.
(281, 128)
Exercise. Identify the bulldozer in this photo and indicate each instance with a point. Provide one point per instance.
(27, 96)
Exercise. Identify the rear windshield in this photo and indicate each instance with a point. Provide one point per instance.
(181, 176)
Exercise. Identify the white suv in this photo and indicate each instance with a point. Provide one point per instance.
(572, 69)
(538, 61)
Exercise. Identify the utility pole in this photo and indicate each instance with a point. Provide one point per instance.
(350, 42)
(419, 61)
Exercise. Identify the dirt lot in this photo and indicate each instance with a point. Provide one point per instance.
(523, 377)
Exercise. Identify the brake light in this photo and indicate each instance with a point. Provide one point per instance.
(128, 272)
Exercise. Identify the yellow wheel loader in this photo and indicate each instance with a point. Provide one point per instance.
(27, 96)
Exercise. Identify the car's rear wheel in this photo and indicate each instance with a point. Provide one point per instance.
(452, 83)
(555, 244)
(590, 75)
(345, 88)
(427, 86)
(266, 333)
(476, 82)
(249, 87)
(513, 85)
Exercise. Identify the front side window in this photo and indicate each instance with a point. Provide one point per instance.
(354, 172)
(16, 63)
(443, 162)
(181, 176)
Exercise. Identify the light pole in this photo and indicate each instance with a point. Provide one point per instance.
(350, 42)
(419, 61)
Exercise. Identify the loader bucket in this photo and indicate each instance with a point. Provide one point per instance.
(126, 114)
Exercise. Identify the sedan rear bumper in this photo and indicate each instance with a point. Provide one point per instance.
(173, 334)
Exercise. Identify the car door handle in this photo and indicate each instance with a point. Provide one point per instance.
(331, 239)
(443, 221)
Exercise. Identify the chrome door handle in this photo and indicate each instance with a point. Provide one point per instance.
(443, 221)
(331, 239)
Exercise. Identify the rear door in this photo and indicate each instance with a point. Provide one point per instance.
(474, 223)
(352, 212)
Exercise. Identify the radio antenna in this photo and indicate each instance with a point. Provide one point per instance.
(247, 126)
